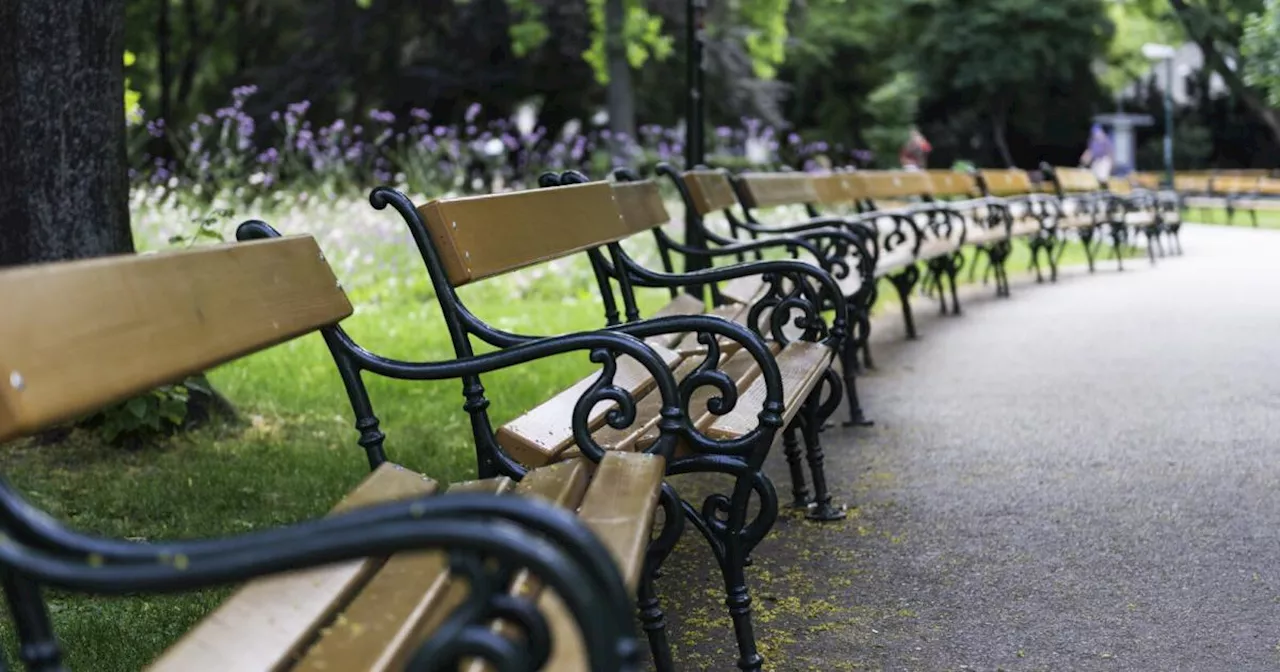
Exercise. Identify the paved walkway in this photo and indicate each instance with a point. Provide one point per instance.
(1083, 477)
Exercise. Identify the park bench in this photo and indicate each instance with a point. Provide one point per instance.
(494, 574)
(738, 384)
(1087, 206)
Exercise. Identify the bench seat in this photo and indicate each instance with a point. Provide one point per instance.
(371, 614)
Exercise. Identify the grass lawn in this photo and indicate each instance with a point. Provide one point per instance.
(294, 454)
(1267, 219)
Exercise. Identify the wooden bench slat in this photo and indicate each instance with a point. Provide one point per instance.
(641, 205)
(647, 410)
(85, 334)
(768, 190)
(400, 605)
(483, 236)
(619, 507)
(801, 364)
(265, 623)
(683, 304)
(710, 190)
(539, 435)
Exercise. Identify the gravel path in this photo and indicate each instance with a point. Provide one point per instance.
(1081, 477)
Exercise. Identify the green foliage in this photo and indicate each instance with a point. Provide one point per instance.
(144, 417)
(891, 108)
(527, 30)
(641, 32)
(1260, 47)
(1136, 23)
(132, 98)
(766, 38)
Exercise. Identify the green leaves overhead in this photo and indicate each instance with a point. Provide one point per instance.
(641, 31)
(1261, 50)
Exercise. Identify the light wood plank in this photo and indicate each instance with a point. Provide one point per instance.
(768, 190)
(641, 205)
(801, 364)
(710, 190)
(891, 184)
(82, 335)
(538, 436)
(265, 623)
(482, 236)
(396, 610)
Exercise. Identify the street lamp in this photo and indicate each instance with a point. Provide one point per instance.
(1163, 52)
(694, 145)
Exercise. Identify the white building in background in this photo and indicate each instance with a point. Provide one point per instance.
(1187, 61)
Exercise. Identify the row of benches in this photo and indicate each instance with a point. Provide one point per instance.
(1250, 192)
(535, 564)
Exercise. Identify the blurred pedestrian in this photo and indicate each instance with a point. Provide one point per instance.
(1100, 154)
(914, 154)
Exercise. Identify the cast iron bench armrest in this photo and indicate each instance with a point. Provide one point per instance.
(827, 294)
(538, 536)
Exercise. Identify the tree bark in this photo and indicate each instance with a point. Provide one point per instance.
(999, 121)
(620, 93)
(64, 189)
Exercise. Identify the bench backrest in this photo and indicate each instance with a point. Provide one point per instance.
(767, 190)
(1235, 184)
(834, 189)
(710, 190)
(640, 204)
(1269, 186)
(1007, 182)
(891, 184)
(953, 183)
(480, 237)
(1075, 180)
(1192, 183)
(1147, 180)
(79, 336)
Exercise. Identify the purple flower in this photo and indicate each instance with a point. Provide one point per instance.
(275, 115)
(420, 114)
(155, 128)
(724, 132)
(440, 131)
(793, 139)
(270, 156)
(472, 112)
(241, 92)
(299, 108)
(382, 116)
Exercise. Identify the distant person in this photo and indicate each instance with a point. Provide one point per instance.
(914, 154)
(1100, 155)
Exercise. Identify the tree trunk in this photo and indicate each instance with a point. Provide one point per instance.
(64, 190)
(166, 73)
(999, 121)
(620, 93)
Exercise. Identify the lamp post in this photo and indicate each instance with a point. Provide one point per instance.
(695, 147)
(1156, 53)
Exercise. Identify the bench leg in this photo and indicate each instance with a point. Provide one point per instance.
(1119, 235)
(1253, 214)
(38, 646)
(849, 367)
(1086, 239)
(862, 328)
(1152, 243)
(935, 278)
(998, 253)
(955, 263)
(1052, 245)
(652, 619)
(812, 416)
(800, 498)
(904, 282)
(1036, 244)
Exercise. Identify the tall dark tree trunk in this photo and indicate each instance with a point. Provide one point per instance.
(64, 190)
(999, 124)
(166, 73)
(620, 92)
(1198, 29)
